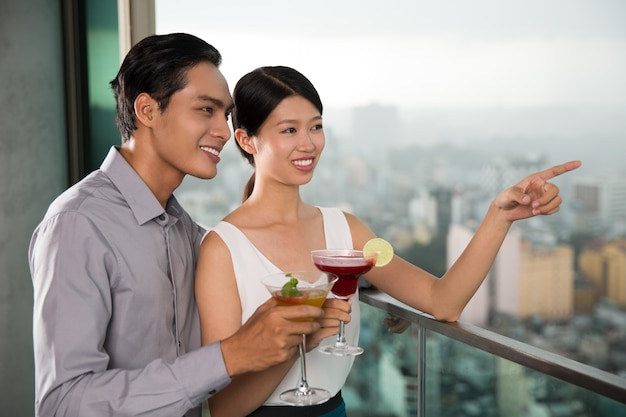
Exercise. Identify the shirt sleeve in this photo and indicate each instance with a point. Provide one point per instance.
(198, 232)
(70, 263)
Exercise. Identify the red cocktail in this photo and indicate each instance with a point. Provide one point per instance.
(348, 265)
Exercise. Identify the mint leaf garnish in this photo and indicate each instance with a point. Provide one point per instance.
(290, 288)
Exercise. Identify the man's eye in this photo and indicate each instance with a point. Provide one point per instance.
(208, 109)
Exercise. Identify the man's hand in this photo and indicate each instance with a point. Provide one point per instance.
(269, 337)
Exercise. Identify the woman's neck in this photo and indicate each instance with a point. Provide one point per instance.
(277, 205)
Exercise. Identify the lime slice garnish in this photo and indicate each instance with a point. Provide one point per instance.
(379, 247)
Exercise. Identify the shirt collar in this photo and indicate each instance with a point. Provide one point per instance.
(137, 194)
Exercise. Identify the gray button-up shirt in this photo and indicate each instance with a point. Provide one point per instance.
(116, 329)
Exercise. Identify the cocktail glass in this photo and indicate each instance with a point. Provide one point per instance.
(313, 288)
(348, 265)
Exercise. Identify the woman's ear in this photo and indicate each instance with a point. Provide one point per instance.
(245, 142)
(146, 109)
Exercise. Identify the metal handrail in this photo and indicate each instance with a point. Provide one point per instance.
(575, 373)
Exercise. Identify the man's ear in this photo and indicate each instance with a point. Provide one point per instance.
(146, 109)
(245, 142)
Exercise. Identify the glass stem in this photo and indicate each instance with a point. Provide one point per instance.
(341, 338)
(303, 389)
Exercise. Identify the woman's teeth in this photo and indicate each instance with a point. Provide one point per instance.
(210, 150)
(303, 162)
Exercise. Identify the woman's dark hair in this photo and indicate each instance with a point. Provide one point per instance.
(258, 93)
(157, 65)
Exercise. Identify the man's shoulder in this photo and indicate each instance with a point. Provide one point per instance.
(94, 189)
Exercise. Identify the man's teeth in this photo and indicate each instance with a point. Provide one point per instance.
(210, 150)
(303, 162)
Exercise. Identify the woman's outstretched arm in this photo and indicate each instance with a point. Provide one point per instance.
(446, 297)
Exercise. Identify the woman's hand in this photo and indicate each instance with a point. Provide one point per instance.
(534, 195)
(335, 310)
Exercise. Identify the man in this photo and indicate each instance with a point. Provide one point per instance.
(113, 260)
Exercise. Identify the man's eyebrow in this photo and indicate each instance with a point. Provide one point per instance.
(217, 102)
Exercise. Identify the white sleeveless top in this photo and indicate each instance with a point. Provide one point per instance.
(250, 265)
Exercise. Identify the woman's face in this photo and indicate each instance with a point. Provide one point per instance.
(290, 142)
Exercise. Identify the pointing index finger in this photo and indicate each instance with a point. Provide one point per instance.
(559, 169)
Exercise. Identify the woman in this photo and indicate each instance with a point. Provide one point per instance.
(278, 128)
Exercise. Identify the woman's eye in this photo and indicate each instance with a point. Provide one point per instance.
(289, 130)
(318, 127)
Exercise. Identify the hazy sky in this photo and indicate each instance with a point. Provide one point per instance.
(419, 53)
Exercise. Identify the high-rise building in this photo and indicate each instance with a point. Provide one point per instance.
(430, 213)
(546, 285)
(605, 266)
(599, 203)
(526, 279)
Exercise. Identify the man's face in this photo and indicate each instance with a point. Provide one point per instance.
(191, 132)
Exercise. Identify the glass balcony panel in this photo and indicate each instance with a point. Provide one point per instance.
(462, 380)
(442, 369)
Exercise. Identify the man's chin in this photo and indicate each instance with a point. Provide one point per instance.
(205, 175)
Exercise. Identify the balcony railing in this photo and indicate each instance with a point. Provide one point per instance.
(463, 369)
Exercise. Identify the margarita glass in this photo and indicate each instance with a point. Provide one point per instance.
(295, 288)
(348, 265)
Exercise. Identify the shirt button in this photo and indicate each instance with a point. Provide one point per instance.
(162, 217)
(212, 392)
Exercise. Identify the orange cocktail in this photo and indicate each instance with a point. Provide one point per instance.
(296, 288)
(310, 297)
